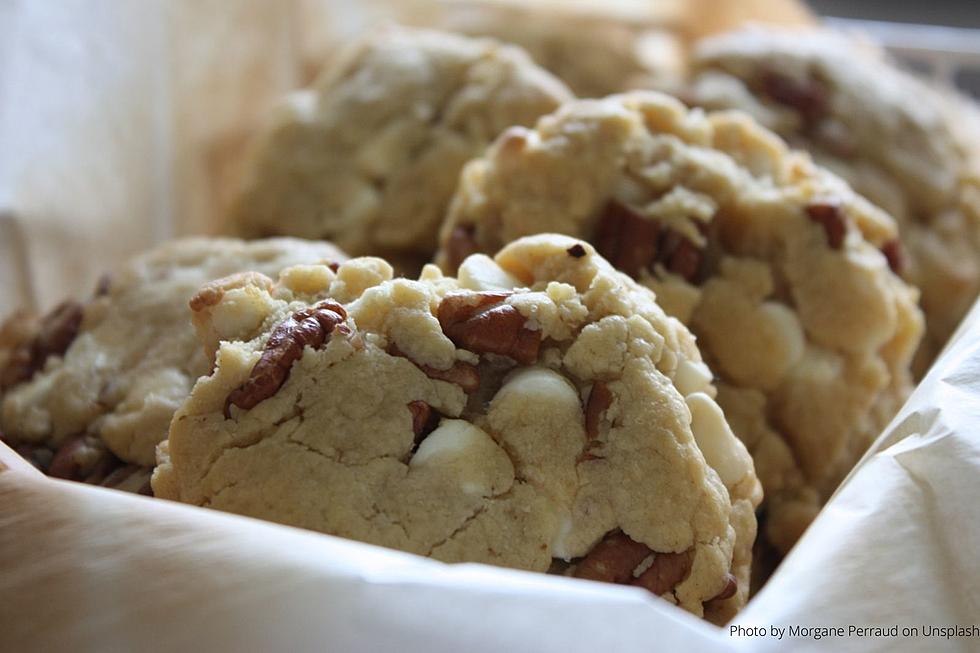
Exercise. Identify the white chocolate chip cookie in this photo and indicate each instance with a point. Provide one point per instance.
(368, 157)
(908, 147)
(538, 412)
(96, 383)
(774, 264)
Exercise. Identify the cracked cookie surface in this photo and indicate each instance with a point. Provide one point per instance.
(909, 147)
(99, 381)
(776, 265)
(539, 411)
(368, 157)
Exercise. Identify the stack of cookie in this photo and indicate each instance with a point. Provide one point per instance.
(592, 337)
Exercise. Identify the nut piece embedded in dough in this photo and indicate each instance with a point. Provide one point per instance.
(309, 327)
(613, 559)
(619, 559)
(599, 400)
(831, 217)
(461, 244)
(666, 571)
(55, 333)
(481, 323)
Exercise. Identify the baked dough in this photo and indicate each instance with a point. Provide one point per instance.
(540, 411)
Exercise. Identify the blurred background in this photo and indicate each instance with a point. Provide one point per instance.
(958, 13)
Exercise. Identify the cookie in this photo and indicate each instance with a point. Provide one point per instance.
(369, 155)
(907, 146)
(595, 51)
(780, 270)
(539, 412)
(90, 388)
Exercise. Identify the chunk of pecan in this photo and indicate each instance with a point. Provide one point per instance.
(464, 375)
(613, 559)
(480, 322)
(616, 558)
(310, 326)
(808, 97)
(684, 259)
(895, 255)
(627, 239)
(831, 217)
(633, 243)
(461, 244)
(462, 305)
(424, 421)
(600, 398)
(82, 458)
(56, 332)
(103, 285)
(20, 366)
(666, 572)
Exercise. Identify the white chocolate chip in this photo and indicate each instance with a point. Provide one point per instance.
(722, 450)
(793, 341)
(539, 382)
(559, 544)
(467, 452)
(693, 376)
(480, 272)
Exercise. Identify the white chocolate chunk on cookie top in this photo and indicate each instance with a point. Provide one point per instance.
(519, 415)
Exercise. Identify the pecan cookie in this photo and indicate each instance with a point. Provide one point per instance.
(89, 389)
(909, 147)
(369, 155)
(779, 269)
(540, 411)
(595, 50)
